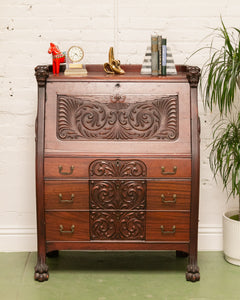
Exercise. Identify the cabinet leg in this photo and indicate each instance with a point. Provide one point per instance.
(52, 254)
(192, 273)
(41, 271)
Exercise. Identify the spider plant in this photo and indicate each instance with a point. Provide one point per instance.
(225, 155)
(222, 73)
(222, 70)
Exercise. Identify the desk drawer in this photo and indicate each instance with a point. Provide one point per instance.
(67, 226)
(167, 226)
(66, 194)
(139, 167)
(168, 195)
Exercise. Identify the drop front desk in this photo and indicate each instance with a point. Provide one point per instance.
(117, 163)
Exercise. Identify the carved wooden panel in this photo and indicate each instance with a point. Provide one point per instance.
(116, 225)
(117, 199)
(117, 168)
(118, 194)
(79, 118)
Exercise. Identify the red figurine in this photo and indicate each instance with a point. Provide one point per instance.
(57, 57)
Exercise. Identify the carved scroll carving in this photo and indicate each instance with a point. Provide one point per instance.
(83, 119)
(117, 199)
(115, 225)
(118, 194)
(117, 168)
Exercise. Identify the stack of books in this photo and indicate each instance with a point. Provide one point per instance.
(158, 60)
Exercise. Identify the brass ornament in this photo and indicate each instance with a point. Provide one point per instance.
(113, 66)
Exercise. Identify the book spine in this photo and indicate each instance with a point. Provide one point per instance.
(159, 55)
(164, 57)
(154, 54)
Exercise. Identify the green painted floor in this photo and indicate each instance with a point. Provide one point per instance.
(117, 276)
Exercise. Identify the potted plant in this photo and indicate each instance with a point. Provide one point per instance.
(222, 72)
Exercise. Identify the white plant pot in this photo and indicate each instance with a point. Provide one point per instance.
(231, 238)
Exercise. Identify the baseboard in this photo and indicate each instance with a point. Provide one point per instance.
(25, 239)
(18, 239)
(210, 238)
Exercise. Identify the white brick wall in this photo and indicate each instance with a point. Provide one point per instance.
(27, 27)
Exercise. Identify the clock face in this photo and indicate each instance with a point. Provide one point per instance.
(75, 53)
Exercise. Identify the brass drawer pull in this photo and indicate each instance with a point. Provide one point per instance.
(66, 201)
(60, 168)
(169, 173)
(168, 232)
(65, 231)
(169, 201)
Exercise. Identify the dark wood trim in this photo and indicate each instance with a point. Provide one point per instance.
(127, 68)
(192, 274)
(127, 246)
(41, 269)
(132, 74)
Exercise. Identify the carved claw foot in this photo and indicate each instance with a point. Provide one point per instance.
(41, 272)
(192, 273)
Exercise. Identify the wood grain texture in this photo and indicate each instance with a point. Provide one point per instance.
(81, 167)
(80, 221)
(168, 195)
(66, 195)
(169, 220)
(118, 245)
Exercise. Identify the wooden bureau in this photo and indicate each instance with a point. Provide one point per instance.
(117, 163)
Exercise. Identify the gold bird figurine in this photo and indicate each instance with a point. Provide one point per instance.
(113, 66)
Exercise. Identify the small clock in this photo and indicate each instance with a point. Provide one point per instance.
(75, 54)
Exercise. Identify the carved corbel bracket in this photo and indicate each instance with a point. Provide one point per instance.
(193, 75)
(42, 73)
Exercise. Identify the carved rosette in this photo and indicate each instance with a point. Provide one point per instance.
(115, 225)
(83, 119)
(41, 73)
(193, 75)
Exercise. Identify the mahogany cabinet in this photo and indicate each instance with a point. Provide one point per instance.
(117, 163)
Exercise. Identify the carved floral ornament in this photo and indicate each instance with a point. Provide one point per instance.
(116, 225)
(114, 193)
(82, 119)
(117, 168)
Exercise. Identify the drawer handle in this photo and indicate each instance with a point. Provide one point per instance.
(168, 232)
(60, 168)
(169, 201)
(169, 173)
(65, 231)
(66, 201)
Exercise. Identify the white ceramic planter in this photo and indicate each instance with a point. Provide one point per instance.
(231, 238)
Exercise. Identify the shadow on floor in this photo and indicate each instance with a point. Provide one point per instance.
(117, 261)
